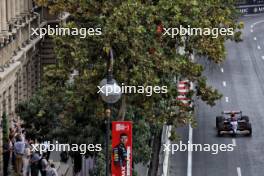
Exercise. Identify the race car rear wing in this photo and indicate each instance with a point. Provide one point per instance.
(230, 112)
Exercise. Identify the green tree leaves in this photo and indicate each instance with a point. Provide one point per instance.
(142, 56)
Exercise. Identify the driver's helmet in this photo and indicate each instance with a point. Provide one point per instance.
(233, 116)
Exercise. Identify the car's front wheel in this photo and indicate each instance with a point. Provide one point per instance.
(249, 128)
(218, 120)
(246, 118)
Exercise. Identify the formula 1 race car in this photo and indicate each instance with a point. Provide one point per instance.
(231, 122)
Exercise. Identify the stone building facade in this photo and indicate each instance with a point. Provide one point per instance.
(19, 56)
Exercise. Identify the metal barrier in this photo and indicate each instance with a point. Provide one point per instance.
(251, 9)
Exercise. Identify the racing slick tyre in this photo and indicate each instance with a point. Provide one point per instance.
(249, 128)
(219, 134)
(218, 120)
(246, 118)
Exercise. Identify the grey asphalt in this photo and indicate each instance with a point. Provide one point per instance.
(244, 77)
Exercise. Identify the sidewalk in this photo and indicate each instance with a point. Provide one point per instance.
(141, 169)
(63, 169)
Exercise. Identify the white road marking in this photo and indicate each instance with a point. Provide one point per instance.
(259, 47)
(262, 57)
(222, 70)
(251, 30)
(255, 38)
(227, 99)
(189, 167)
(224, 83)
(254, 24)
(239, 171)
(234, 142)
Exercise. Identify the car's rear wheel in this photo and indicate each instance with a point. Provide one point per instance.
(220, 129)
(249, 128)
(219, 133)
(246, 118)
(218, 120)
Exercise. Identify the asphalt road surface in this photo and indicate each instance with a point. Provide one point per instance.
(241, 80)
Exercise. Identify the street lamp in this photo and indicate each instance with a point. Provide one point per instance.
(110, 93)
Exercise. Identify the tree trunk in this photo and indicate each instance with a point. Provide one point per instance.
(154, 163)
(123, 109)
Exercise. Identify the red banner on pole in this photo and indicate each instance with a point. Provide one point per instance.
(121, 148)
